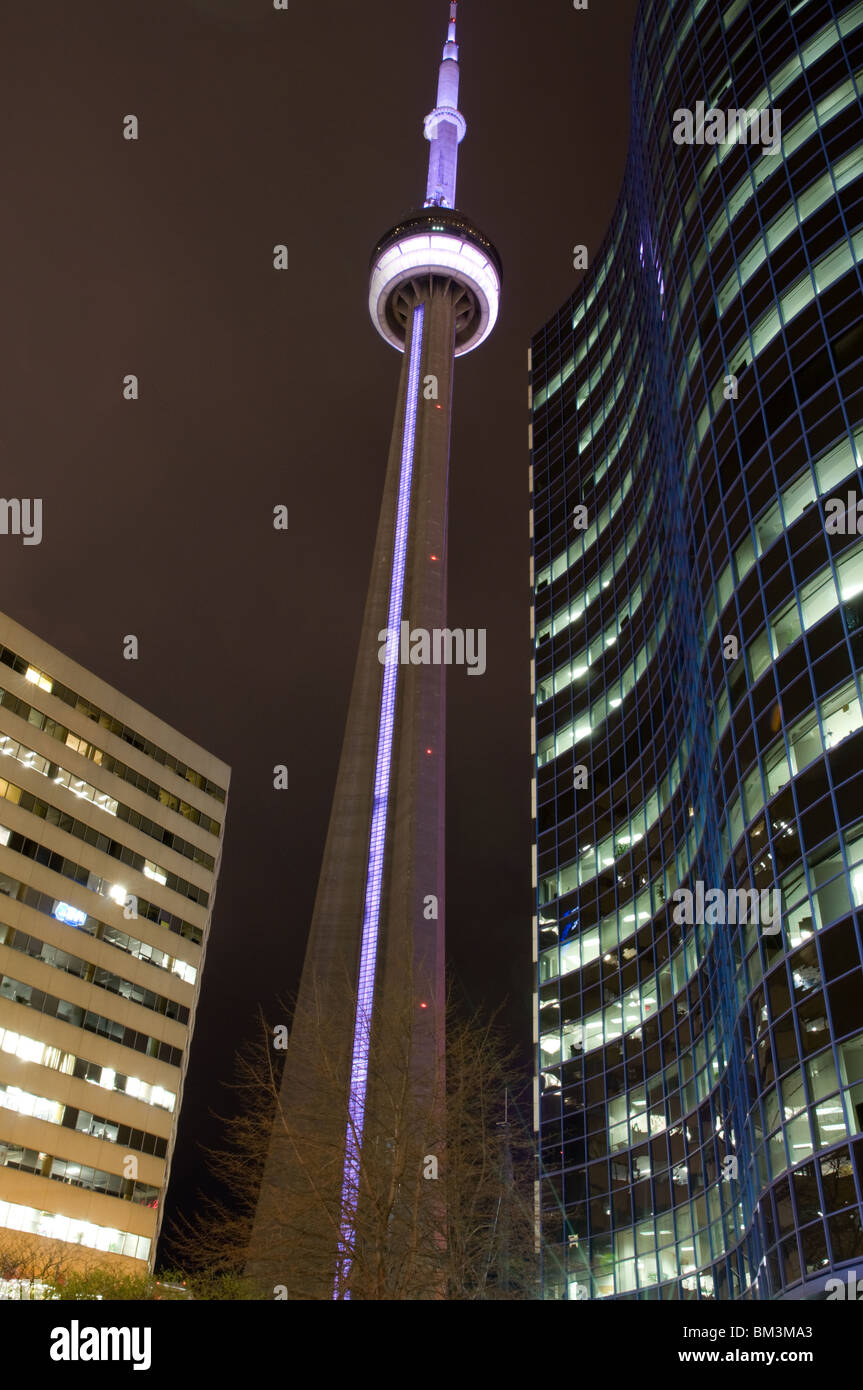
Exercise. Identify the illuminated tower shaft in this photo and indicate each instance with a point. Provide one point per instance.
(376, 945)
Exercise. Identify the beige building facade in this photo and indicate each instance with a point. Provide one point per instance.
(111, 827)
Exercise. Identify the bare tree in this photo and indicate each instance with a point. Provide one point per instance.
(439, 1204)
(32, 1266)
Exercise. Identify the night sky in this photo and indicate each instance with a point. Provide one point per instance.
(260, 387)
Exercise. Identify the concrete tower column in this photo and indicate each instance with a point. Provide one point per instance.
(373, 953)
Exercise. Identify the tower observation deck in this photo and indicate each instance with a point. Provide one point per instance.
(374, 965)
(435, 242)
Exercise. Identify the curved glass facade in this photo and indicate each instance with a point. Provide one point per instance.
(697, 575)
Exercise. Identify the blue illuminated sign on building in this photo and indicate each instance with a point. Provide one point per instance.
(64, 912)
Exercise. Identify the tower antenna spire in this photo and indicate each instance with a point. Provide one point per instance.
(445, 126)
(453, 10)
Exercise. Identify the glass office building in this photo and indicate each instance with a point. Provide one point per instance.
(696, 444)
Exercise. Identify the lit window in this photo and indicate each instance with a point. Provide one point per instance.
(39, 678)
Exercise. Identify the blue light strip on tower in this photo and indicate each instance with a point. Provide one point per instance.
(377, 836)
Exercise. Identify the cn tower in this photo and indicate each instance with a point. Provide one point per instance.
(378, 920)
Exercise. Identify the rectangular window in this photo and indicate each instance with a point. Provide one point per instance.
(760, 655)
(842, 715)
(854, 853)
(832, 267)
(849, 571)
(38, 678)
(817, 599)
(786, 628)
(836, 465)
(777, 771)
(797, 498)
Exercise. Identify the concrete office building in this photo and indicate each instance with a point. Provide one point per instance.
(111, 829)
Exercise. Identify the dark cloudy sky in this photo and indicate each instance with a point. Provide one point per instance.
(260, 387)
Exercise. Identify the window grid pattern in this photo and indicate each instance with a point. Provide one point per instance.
(701, 1087)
